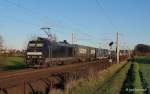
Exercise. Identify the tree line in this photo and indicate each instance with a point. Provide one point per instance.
(142, 49)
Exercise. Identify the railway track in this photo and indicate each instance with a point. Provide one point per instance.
(9, 72)
(9, 79)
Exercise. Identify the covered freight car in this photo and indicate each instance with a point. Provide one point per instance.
(102, 53)
(85, 53)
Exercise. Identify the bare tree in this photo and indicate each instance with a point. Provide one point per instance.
(142, 49)
(1, 42)
(2, 59)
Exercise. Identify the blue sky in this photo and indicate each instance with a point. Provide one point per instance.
(94, 23)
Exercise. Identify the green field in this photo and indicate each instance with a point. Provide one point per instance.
(144, 63)
(12, 63)
(142, 59)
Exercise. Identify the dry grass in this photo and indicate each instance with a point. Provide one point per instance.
(89, 84)
(2, 61)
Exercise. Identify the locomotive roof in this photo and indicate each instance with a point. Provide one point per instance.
(83, 46)
(64, 44)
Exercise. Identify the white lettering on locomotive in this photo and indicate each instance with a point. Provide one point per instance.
(92, 51)
(82, 51)
(34, 53)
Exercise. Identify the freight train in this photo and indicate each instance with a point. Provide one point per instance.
(42, 53)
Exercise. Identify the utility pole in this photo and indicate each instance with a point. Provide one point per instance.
(73, 38)
(117, 47)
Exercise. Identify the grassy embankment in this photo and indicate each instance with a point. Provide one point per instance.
(107, 82)
(114, 84)
(2, 60)
(12, 63)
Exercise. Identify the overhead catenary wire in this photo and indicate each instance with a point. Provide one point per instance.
(28, 11)
(107, 16)
(18, 20)
(32, 13)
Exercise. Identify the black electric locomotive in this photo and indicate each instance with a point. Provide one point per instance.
(42, 52)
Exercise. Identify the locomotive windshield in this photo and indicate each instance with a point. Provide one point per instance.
(35, 46)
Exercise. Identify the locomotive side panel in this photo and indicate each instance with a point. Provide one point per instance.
(62, 51)
(102, 53)
(60, 54)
